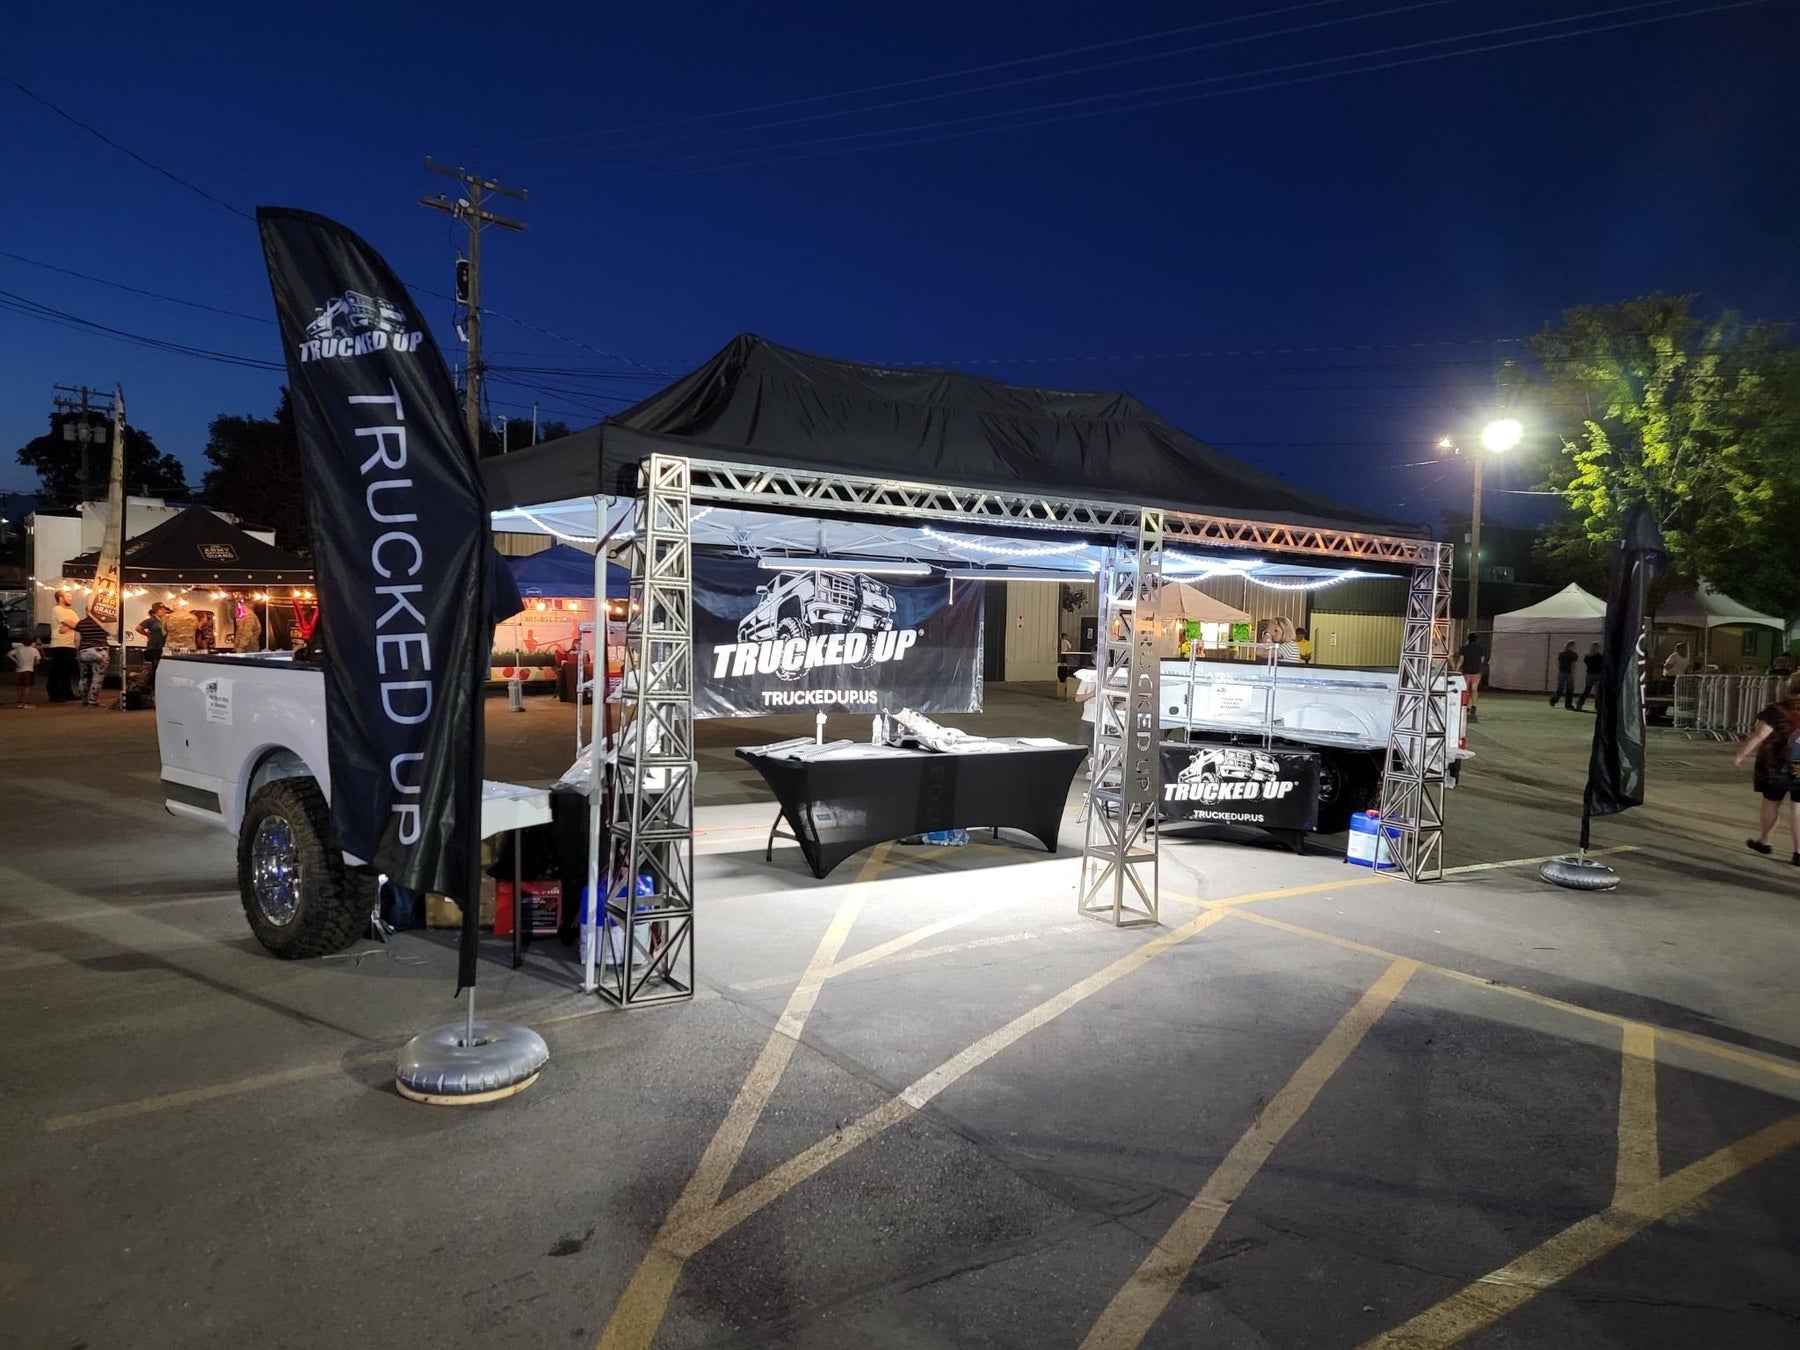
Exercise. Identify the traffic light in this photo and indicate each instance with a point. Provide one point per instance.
(462, 281)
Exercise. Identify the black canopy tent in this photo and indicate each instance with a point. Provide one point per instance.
(764, 405)
(765, 428)
(198, 548)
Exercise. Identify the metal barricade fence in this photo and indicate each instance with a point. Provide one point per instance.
(1721, 707)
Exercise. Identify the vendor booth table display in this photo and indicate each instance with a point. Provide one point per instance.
(839, 798)
(838, 482)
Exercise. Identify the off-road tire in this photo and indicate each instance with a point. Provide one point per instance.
(868, 660)
(1345, 787)
(785, 630)
(332, 901)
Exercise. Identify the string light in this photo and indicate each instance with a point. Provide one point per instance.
(548, 528)
(1312, 584)
(1003, 550)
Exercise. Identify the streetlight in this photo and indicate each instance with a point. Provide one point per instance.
(1497, 437)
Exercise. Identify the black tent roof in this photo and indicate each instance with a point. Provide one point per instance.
(762, 404)
(198, 548)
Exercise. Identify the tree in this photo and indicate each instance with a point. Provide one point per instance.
(254, 473)
(1700, 420)
(57, 460)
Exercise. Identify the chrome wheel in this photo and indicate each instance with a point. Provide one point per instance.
(275, 870)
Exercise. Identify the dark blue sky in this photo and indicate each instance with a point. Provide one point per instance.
(1380, 232)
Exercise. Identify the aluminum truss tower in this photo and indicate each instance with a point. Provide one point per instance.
(652, 832)
(652, 815)
(1418, 758)
(1120, 874)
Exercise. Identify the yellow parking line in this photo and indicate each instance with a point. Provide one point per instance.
(124, 909)
(925, 953)
(1135, 1308)
(761, 1193)
(237, 1087)
(212, 1092)
(1639, 1164)
(1515, 1284)
(1529, 862)
(640, 1309)
(1705, 1045)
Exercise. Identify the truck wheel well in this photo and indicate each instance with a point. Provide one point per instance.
(275, 764)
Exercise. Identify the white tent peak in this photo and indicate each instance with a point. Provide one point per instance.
(1571, 602)
(1708, 608)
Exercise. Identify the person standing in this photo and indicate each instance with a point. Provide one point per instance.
(60, 682)
(94, 652)
(1065, 651)
(1303, 640)
(1775, 745)
(156, 634)
(1473, 659)
(1565, 677)
(25, 659)
(181, 630)
(247, 636)
(1594, 661)
(1678, 661)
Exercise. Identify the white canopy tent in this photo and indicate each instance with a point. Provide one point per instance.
(1703, 611)
(961, 555)
(1526, 640)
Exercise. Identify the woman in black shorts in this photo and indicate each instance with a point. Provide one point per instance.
(1776, 743)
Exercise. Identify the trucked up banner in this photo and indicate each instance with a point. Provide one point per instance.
(845, 640)
(400, 541)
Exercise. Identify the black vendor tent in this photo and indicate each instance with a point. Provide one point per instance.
(198, 548)
(757, 403)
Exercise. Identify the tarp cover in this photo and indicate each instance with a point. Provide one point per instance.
(563, 572)
(762, 404)
(198, 548)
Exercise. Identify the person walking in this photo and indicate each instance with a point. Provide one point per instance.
(60, 679)
(1775, 743)
(1594, 661)
(156, 635)
(25, 656)
(94, 652)
(1472, 660)
(1565, 677)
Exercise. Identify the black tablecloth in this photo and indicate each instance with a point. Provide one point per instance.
(845, 801)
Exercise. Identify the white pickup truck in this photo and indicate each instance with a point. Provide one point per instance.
(1345, 715)
(243, 748)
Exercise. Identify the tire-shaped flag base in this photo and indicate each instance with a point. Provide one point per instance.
(1579, 874)
(441, 1067)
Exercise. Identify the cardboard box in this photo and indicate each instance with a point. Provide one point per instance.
(442, 912)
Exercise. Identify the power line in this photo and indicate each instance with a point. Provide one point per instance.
(98, 134)
(914, 81)
(1033, 121)
(19, 304)
(1165, 54)
(135, 290)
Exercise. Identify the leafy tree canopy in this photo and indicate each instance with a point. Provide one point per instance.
(58, 463)
(254, 473)
(1698, 418)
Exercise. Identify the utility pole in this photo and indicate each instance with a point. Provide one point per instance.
(81, 403)
(471, 210)
(1474, 620)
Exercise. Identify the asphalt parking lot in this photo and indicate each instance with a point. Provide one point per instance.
(922, 1103)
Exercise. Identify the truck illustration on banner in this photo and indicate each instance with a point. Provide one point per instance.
(798, 609)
